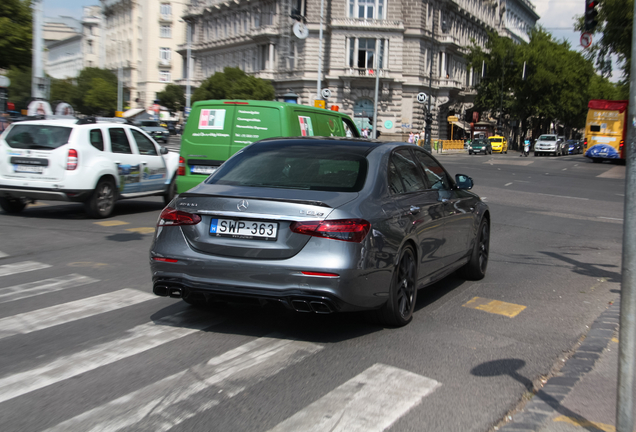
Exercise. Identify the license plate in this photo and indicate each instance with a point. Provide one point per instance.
(202, 169)
(32, 169)
(244, 229)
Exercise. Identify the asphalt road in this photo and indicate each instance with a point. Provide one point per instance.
(84, 345)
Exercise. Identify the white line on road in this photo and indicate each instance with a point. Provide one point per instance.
(563, 196)
(620, 195)
(166, 403)
(616, 219)
(137, 340)
(617, 172)
(2, 254)
(45, 286)
(369, 402)
(508, 184)
(67, 312)
(21, 267)
(564, 169)
(578, 217)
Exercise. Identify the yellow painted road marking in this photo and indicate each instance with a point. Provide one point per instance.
(142, 230)
(494, 306)
(586, 424)
(615, 340)
(110, 223)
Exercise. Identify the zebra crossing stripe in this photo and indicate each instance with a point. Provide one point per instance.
(67, 312)
(2, 254)
(166, 403)
(369, 402)
(21, 267)
(137, 340)
(31, 289)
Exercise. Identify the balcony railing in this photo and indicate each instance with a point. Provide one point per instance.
(164, 62)
(363, 72)
(166, 18)
(367, 23)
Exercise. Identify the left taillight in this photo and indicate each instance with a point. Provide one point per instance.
(72, 159)
(174, 217)
(181, 169)
(351, 230)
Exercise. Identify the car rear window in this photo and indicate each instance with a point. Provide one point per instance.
(495, 139)
(310, 167)
(40, 137)
(547, 138)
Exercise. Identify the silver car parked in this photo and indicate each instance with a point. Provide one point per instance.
(322, 225)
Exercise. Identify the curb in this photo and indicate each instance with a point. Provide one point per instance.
(548, 399)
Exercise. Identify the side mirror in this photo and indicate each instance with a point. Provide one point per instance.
(163, 150)
(463, 181)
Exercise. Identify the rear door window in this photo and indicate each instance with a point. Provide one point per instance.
(434, 173)
(404, 173)
(119, 141)
(37, 137)
(97, 139)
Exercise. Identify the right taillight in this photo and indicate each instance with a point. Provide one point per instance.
(181, 170)
(351, 230)
(72, 160)
(174, 217)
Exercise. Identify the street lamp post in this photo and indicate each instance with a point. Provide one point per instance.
(429, 115)
(188, 60)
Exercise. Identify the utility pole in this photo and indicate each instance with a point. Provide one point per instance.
(627, 338)
(188, 69)
(37, 80)
(319, 84)
(377, 85)
(429, 115)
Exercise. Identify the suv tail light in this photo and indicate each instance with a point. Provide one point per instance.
(174, 217)
(71, 160)
(181, 170)
(622, 143)
(351, 230)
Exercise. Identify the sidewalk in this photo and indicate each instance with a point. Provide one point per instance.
(582, 396)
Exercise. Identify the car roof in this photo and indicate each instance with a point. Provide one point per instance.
(362, 146)
(72, 122)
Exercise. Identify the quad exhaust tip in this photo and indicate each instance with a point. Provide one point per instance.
(311, 306)
(166, 291)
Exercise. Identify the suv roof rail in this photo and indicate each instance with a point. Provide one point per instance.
(86, 120)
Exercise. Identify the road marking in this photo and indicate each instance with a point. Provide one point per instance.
(564, 169)
(510, 310)
(142, 230)
(67, 312)
(508, 184)
(166, 403)
(137, 340)
(21, 267)
(586, 424)
(617, 172)
(90, 264)
(563, 196)
(615, 339)
(31, 289)
(111, 223)
(369, 402)
(571, 216)
(2, 254)
(609, 218)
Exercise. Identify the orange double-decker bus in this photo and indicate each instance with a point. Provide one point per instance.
(605, 130)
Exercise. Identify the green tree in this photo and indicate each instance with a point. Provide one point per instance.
(64, 90)
(16, 29)
(233, 83)
(86, 82)
(101, 97)
(172, 97)
(20, 88)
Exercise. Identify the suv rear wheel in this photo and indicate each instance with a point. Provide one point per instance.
(102, 201)
(12, 205)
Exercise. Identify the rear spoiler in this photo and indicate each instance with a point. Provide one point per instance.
(306, 202)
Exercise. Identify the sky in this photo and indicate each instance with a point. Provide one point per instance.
(557, 16)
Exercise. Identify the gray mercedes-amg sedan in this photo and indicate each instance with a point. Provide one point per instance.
(322, 225)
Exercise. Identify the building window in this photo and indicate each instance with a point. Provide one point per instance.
(165, 31)
(166, 9)
(164, 76)
(90, 47)
(366, 9)
(164, 53)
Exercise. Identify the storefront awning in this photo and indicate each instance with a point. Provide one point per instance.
(463, 125)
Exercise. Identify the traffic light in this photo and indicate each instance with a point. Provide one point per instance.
(590, 14)
(429, 118)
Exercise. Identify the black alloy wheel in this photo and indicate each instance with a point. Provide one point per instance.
(12, 205)
(398, 310)
(475, 269)
(102, 201)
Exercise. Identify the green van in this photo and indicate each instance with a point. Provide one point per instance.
(216, 129)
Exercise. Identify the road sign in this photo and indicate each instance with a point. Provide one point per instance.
(4, 81)
(320, 103)
(452, 119)
(326, 93)
(586, 40)
(422, 97)
(119, 113)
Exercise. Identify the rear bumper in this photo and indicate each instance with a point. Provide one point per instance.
(45, 194)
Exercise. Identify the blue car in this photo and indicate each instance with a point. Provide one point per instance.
(573, 147)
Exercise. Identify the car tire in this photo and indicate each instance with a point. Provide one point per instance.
(172, 190)
(12, 205)
(470, 153)
(398, 310)
(102, 201)
(476, 267)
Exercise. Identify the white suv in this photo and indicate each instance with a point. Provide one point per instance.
(547, 144)
(84, 161)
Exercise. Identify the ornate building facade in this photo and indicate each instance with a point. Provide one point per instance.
(419, 46)
(519, 17)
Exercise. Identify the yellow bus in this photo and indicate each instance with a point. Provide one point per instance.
(605, 130)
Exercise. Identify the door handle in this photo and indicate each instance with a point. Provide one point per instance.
(414, 210)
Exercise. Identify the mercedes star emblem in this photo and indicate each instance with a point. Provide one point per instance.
(243, 205)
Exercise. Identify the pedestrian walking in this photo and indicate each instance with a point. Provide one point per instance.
(411, 138)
